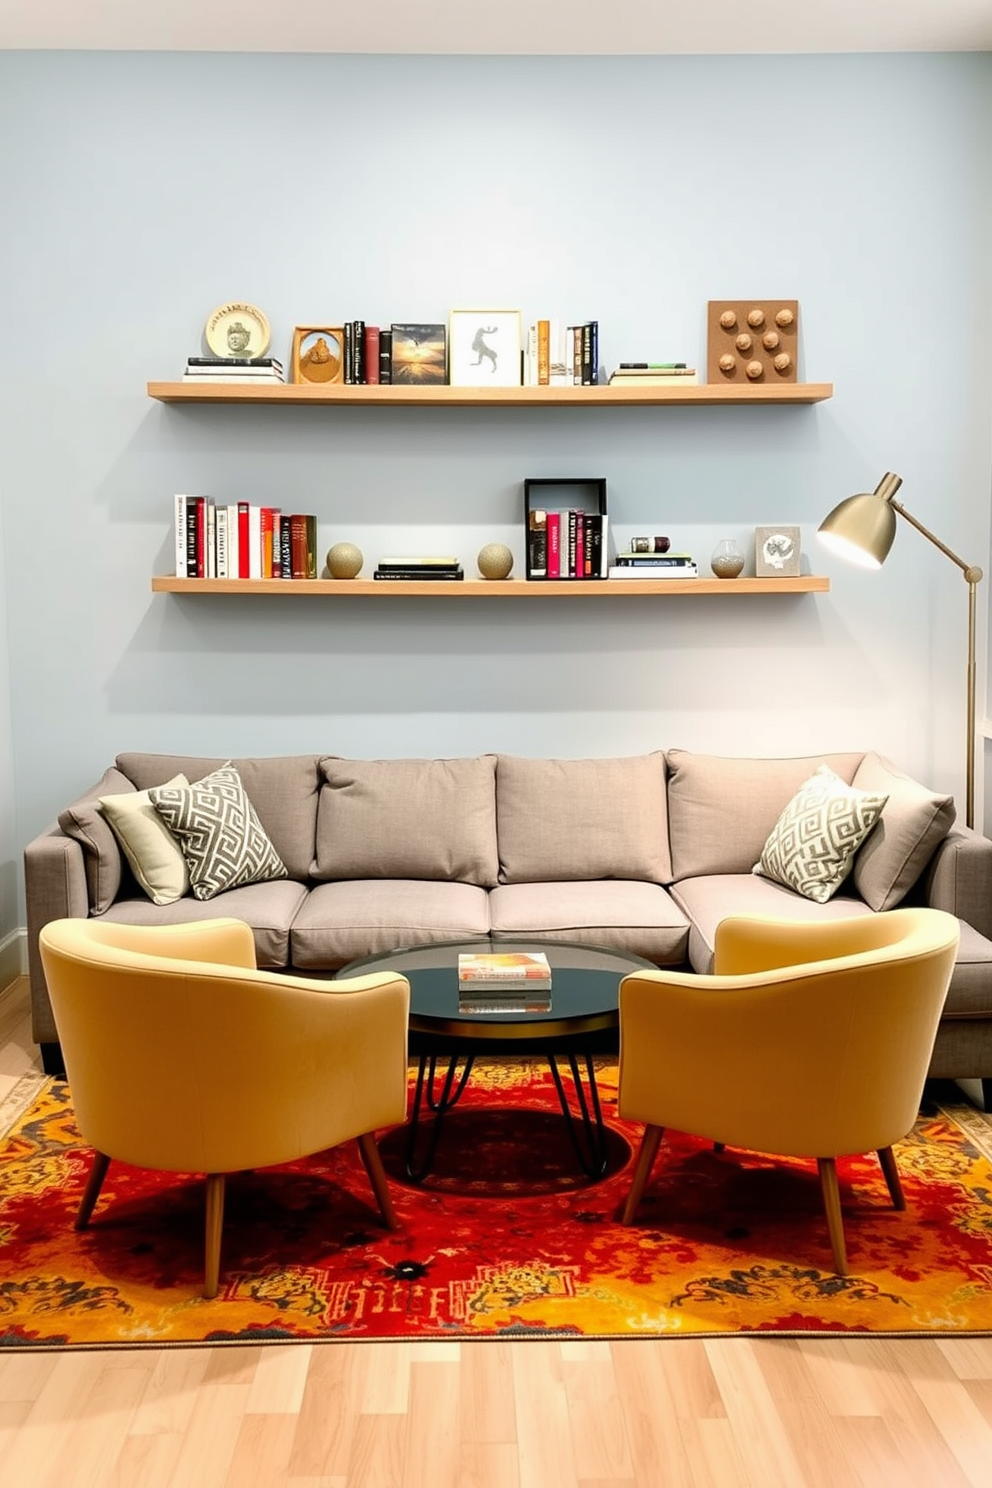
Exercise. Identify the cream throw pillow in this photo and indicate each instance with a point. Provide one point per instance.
(812, 845)
(153, 852)
(223, 841)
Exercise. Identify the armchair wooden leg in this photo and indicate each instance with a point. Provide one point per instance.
(377, 1177)
(215, 1223)
(831, 1203)
(646, 1154)
(888, 1160)
(98, 1171)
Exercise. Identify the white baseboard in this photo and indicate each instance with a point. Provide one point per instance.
(13, 957)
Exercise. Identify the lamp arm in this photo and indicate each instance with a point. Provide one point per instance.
(972, 573)
(973, 577)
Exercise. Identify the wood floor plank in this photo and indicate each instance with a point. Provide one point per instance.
(211, 1437)
(544, 1433)
(714, 1455)
(873, 1451)
(970, 1358)
(261, 1453)
(433, 1426)
(842, 1375)
(488, 1409)
(808, 1424)
(761, 1435)
(170, 1395)
(598, 1428)
(378, 1453)
(326, 1423)
(91, 1444)
(36, 1448)
(961, 1424)
(280, 1379)
(147, 1461)
(654, 1434)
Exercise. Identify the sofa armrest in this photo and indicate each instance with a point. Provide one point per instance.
(55, 888)
(958, 878)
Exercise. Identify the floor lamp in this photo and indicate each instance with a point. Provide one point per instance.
(862, 529)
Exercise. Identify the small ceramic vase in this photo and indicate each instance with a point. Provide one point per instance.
(727, 560)
(495, 561)
(344, 560)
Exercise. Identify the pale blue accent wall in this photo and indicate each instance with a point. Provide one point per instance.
(140, 191)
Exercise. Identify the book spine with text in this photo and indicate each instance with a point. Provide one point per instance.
(286, 566)
(244, 541)
(554, 544)
(385, 355)
(180, 537)
(298, 545)
(210, 541)
(265, 530)
(233, 545)
(220, 542)
(543, 353)
(371, 354)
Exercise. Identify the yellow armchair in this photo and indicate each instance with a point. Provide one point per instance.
(807, 1041)
(181, 1056)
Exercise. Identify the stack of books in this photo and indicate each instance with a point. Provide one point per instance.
(653, 374)
(233, 369)
(504, 982)
(241, 540)
(654, 566)
(431, 567)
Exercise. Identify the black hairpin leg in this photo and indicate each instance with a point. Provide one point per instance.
(425, 1094)
(587, 1130)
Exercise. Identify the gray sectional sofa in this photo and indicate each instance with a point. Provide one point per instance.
(644, 854)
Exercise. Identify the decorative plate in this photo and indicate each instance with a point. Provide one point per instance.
(237, 330)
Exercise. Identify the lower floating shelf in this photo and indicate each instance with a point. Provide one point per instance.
(493, 588)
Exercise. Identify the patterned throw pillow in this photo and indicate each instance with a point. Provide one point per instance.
(223, 841)
(812, 845)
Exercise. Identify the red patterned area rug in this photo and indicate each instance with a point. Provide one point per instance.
(504, 1237)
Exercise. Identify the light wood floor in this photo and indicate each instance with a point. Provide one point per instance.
(678, 1413)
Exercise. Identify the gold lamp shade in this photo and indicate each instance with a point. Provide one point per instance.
(863, 528)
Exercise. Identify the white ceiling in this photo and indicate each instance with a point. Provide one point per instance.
(500, 26)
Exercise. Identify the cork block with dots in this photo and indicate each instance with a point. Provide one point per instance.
(752, 341)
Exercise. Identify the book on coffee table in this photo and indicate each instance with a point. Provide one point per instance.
(503, 971)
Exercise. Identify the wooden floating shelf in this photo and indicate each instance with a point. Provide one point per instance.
(399, 396)
(492, 588)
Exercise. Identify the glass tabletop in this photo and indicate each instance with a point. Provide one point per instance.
(584, 984)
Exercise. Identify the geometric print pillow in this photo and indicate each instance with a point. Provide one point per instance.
(812, 845)
(223, 841)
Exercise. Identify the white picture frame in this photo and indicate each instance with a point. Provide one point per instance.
(777, 552)
(484, 348)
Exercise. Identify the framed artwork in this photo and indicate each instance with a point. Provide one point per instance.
(418, 353)
(777, 552)
(484, 348)
(318, 354)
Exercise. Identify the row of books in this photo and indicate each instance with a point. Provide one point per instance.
(242, 540)
(233, 369)
(637, 565)
(569, 544)
(559, 355)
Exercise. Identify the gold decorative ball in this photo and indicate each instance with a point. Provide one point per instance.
(344, 560)
(495, 561)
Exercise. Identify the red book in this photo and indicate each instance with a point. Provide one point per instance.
(554, 544)
(243, 568)
(580, 539)
(201, 537)
(371, 353)
(298, 546)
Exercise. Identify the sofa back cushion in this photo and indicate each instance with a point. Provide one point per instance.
(407, 818)
(86, 824)
(721, 810)
(561, 819)
(913, 824)
(282, 788)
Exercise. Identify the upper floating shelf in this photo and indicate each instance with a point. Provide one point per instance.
(398, 396)
(492, 588)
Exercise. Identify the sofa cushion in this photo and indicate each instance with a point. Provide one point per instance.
(155, 855)
(582, 819)
(638, 918)
(913, 824)
(721, 810)
(269, 909)
(812, 845)
(708, 900)
(282, 789)
(365, 917)
(86, 824)
(223, 841)
(407, 818)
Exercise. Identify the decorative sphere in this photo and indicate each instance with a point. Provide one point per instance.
(495, 561)
(344, 560)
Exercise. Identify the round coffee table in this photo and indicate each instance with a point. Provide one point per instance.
(581, 1020)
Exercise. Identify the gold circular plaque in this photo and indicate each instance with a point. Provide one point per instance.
(237, 330)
